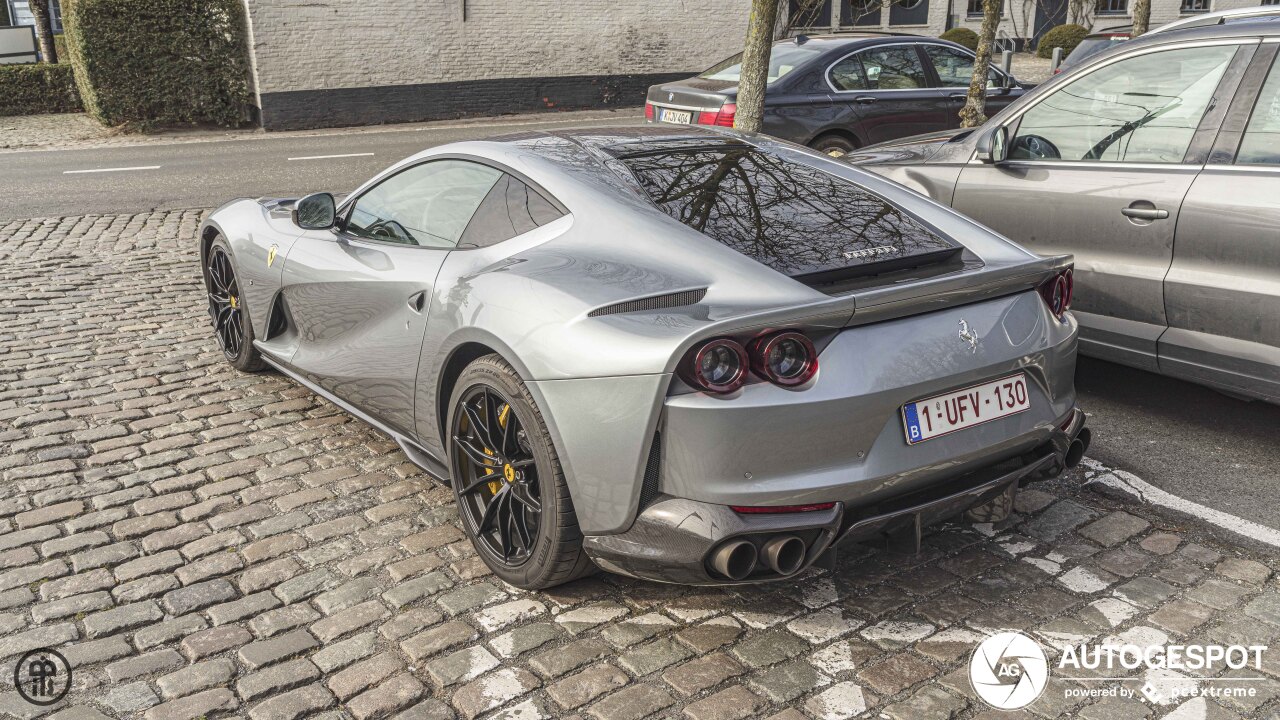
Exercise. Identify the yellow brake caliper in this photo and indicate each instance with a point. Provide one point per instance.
(496, 485)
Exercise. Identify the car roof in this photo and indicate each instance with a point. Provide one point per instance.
(1253, 27)
(843, 40)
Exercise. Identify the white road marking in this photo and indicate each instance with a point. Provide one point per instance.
(1135, 486)
(326, 157)
(121, 169)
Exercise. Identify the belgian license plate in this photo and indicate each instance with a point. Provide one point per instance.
(681, 117)
(943, 414)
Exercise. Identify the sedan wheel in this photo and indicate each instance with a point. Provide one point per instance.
(833, 145)
(512, 497)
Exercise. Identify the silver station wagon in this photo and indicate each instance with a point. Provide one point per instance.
(1157, 165)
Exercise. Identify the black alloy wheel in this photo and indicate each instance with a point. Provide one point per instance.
(225, 304)
(500, 496)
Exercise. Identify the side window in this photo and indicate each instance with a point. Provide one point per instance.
(847, 74)
(893, 68)
(1142, 109)
(511, 208)
(955, 68)
(428, 204)
(1261, 143)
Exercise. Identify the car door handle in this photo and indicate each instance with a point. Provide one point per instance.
(418, 300)
(961, 97)
(865, 100)
(1145, 213)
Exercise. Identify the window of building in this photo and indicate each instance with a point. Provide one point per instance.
(860, 12)
(1113, 7)
(909, 12)
(1195, 6)
(1271, 2)
(974, 8)
(809, 14)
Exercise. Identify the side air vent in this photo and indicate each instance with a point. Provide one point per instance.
(649, 489)
(656, 302)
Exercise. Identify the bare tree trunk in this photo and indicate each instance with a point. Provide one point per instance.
(1141, 17)
(974, 112)
(755, 65)
(44, 30)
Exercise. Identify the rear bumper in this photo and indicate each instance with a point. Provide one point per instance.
(673, 538)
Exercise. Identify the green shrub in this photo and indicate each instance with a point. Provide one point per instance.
(962, 36)
(38, 89)
(160, 62)
(1066, 37)
(60, 47)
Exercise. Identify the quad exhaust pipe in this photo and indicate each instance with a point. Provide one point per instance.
(784, 554)
(1077, 448)
(734, 559)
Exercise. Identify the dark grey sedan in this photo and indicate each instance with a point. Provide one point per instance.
(841, 92)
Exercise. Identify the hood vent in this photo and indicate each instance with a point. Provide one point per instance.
(655, 302)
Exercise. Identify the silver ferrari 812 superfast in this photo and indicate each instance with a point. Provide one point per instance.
(687, 355)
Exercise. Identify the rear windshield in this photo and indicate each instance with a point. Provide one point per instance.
(790, 216)
(782, 60)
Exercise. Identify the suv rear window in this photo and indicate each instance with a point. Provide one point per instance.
(790, 216)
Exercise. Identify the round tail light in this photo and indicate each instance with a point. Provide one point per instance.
(718, 366)
(785, 358)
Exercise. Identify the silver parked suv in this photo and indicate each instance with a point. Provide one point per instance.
(1157, 164)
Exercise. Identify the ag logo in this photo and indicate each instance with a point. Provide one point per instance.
(1009, 671)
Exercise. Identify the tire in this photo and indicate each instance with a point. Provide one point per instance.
(994, 510)
(833, 144)
(524, 467)
(226, 305)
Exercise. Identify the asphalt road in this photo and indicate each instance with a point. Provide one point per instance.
(1189, 441)
(56, 183)
(1185, 439)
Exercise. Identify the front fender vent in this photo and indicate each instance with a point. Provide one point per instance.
(655, 302)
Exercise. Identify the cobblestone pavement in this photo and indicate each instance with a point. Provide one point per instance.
(203, 543)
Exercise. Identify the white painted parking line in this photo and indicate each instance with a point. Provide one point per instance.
(1135, 486)
(123, 169)
(326, 157)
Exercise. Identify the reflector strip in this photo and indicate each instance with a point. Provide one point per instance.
(761, 510)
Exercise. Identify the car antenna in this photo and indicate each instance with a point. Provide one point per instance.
(802, 39)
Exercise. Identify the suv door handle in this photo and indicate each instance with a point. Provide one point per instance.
(417, 301)
(865, 100)
(1144, 213)
(961, 97)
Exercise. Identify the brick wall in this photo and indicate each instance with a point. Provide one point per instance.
(397, 60)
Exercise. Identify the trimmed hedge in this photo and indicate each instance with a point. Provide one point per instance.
(60, 47)
(1066, 37)
(159, 62)
(961, 36)
(38, 89)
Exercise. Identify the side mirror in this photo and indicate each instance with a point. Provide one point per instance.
(993, 148)
(316, 211)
